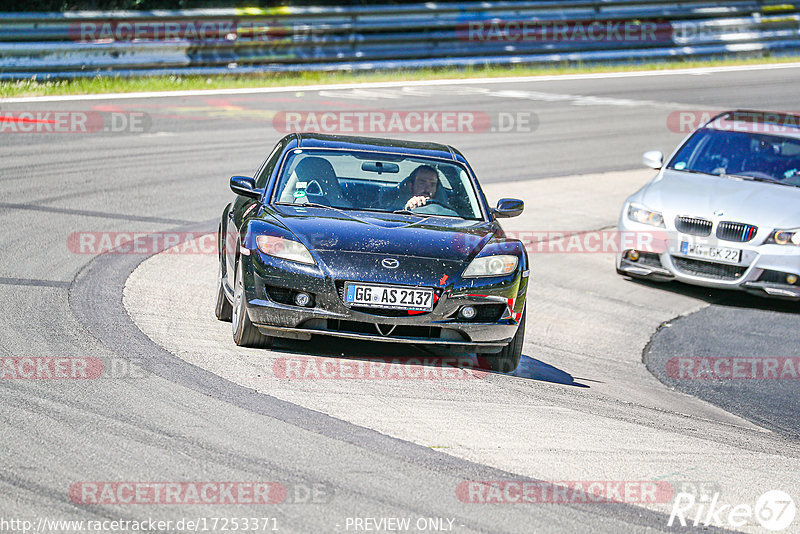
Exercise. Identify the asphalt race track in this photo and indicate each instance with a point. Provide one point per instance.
(178, 402)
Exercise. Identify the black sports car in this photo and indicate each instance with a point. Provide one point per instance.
(372, 239)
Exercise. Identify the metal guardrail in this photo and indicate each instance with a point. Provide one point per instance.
(247, 40)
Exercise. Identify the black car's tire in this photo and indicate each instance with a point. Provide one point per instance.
(244, 333)
(223, 309)
(507, 360)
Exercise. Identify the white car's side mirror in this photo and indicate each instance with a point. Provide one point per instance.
(653, 159)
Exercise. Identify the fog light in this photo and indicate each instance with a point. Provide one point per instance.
(791, 278)
(467, 312)
(633, 255)
(302, 299)
(782, 237)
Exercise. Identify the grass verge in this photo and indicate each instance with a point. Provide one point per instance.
(110, 84)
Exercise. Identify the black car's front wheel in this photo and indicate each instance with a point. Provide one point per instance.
(507, 360)
(223, 309)
(244, 333)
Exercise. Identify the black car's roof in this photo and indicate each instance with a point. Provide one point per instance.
(376, 144)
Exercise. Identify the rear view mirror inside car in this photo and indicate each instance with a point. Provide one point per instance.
(380, 167)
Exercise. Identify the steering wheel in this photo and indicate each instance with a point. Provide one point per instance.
(435, 207)
(429, 202)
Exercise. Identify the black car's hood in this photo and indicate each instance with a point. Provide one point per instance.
(441, 238)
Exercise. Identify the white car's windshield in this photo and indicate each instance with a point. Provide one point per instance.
(749, 155)
(377, 182)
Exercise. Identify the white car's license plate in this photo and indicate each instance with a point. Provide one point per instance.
(374, 296)
(721, 254)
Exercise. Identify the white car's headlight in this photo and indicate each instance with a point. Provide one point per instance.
(284, 248)
(784, 237)
(643, 215)
(491, 266)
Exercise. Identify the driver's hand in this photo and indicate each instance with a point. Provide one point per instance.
(416, 202)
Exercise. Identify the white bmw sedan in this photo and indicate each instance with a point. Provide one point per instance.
(727, 204)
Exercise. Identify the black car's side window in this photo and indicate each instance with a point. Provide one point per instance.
(269, 166)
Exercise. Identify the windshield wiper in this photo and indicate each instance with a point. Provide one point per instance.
(753, 178)
(692, 171)
(740, 176)
(306, 204)
(407, 212)
(762, 179)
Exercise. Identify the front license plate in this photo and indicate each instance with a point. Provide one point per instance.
(402, 298)
(721, 254)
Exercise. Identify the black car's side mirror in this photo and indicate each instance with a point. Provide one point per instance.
(508, 207)
(245, 186)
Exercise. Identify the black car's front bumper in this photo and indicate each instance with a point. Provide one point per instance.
(500, 301)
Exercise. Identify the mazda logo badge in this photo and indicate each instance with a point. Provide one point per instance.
(390, 263)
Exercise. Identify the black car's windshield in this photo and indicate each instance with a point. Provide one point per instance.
(755, 156)
(377, 182)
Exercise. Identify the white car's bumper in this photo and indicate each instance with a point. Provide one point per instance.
(762, 269)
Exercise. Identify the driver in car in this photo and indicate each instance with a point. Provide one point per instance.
(423, 184)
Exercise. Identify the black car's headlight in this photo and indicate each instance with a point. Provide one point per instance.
(784, 237)
(286, 249)
(497, 265)
(643, 215)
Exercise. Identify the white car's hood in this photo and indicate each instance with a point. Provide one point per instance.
(763, 204)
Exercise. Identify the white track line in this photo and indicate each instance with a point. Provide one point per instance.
(462, 81)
